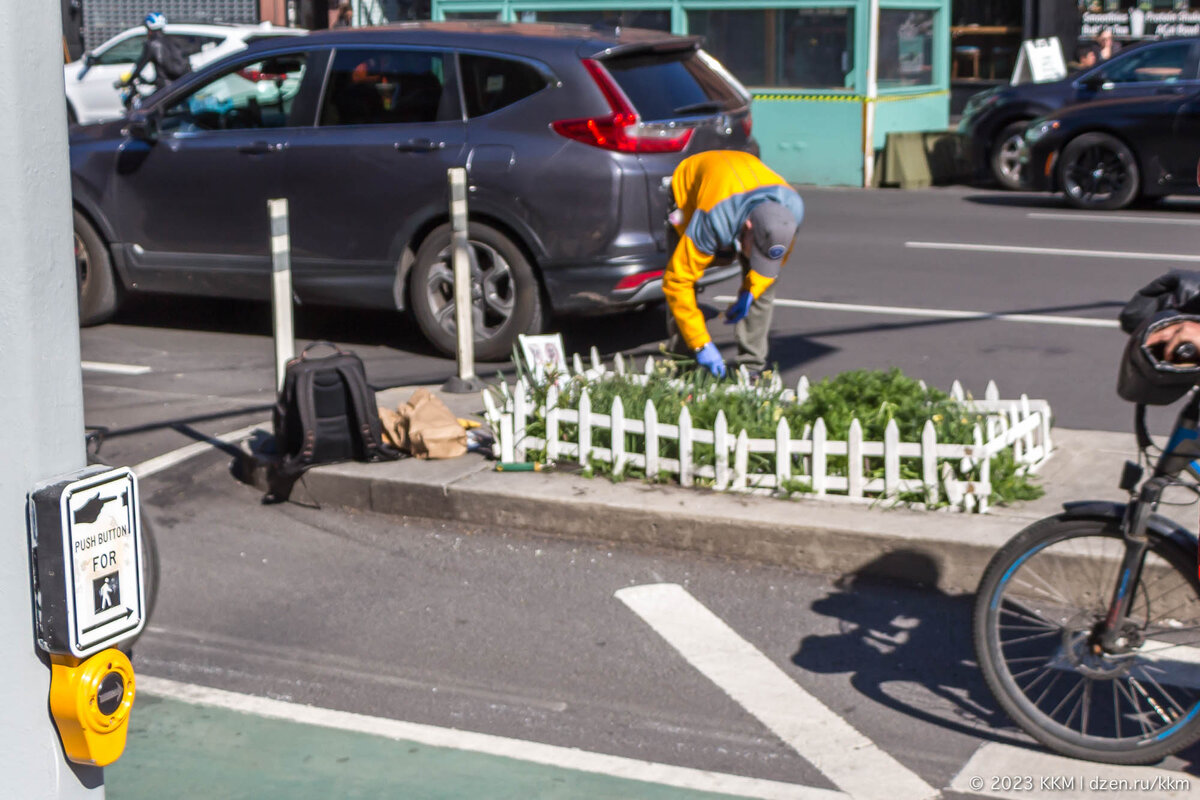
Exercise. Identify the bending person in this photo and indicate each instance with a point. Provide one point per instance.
(728, 201)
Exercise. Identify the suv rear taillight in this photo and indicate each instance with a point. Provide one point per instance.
(621, 130)
(747, 124)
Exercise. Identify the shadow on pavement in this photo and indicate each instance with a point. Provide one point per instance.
(914, 654)
(349, 326)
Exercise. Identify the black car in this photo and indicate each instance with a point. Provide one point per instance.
(568, 134)
(995, 120)
(1106, 155)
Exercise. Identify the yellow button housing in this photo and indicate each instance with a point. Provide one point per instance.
(90, 702)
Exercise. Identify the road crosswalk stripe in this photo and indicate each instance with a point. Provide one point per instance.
(114, 369)
(167, 460)
(939, 313)
(534, 752)
(848, 758)
(1107, 218)
(1052, 251)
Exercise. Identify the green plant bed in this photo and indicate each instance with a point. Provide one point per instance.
(874, 398)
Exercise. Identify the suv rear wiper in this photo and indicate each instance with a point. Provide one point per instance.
(707, 105)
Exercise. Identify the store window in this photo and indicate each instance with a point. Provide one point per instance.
(803, 48)
(490, 15)
(656, 19)
(905, 47)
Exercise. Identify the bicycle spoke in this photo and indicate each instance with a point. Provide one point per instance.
(1015, 609)
(1063, 702)
(1162, 690)
(1086, 700)
(1046, 691)
(1011, 642)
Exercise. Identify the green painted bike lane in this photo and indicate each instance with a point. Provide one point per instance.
(179, 749)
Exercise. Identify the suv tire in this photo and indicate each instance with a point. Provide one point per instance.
(507, 295)
(99, 290)
(1005, 149)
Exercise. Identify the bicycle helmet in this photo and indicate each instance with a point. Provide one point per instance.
(155, 21)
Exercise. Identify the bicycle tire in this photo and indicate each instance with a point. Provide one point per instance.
(1039, 600)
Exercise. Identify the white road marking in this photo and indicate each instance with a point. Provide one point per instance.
(1112, 218)
(168, 460)
(850, 760)
(534, 752)
(940, 313)
(1001, 770)
(1052, 251)
(115, 369)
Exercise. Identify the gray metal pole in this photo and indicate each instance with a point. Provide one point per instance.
(460, 253)
(41, 399)
(281, 288)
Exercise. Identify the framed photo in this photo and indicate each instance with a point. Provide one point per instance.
(544, 354)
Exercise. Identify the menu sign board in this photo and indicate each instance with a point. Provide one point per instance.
(1137, 24)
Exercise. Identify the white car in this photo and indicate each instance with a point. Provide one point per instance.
(90, 93)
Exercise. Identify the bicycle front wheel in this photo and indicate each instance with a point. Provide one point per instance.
(1039, 614)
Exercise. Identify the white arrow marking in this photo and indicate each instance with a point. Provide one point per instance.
(850, 760)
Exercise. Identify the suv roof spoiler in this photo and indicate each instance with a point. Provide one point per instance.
(674, 44)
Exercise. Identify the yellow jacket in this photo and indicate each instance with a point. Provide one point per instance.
(716, 191)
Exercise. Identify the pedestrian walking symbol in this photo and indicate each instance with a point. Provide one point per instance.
(107, 592)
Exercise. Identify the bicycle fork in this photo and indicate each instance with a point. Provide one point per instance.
(1113, 637)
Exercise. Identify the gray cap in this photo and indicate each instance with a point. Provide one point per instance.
(772, 228)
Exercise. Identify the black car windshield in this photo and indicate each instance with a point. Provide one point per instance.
(666, 85)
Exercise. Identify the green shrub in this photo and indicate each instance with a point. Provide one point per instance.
(873, 397)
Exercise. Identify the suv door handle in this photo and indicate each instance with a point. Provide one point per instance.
(261, 148)
(419, 146)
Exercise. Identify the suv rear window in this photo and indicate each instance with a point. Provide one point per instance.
(490, 83)
(668, 85)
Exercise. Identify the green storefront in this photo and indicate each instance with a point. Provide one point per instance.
(821, 90)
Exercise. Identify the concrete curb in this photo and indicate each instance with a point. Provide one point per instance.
(921, 547)
(937, 548)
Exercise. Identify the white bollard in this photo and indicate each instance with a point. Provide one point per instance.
(281, 288)
(460, 255)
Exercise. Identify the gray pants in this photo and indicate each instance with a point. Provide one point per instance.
(751, 333)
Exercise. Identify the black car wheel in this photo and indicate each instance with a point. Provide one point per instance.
(505, 293)
(99, 291)
(1006, 155)
(1097, 171)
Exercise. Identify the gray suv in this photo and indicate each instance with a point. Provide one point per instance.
(568, 134)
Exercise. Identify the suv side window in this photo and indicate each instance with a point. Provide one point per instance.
(1165, 62)
(125, 51)
(490, 84)
(379, 86)
(255, 95)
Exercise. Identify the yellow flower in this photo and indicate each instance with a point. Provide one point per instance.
(937, 417)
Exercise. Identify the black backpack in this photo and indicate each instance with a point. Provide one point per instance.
(325, 413)
(175, 63)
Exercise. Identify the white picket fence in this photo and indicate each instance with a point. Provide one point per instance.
(959, 472)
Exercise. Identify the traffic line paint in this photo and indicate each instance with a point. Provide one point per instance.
(167, 460)
(1051, 251)
(1001, 770)
(533, 752)
(1111, 218)
(114, 369)
(941, 313)
(850, 760)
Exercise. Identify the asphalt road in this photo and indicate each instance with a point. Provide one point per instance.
(499, 632)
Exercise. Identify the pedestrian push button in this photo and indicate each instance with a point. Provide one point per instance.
(90, 702)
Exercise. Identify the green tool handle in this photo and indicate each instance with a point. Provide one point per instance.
(519, 466)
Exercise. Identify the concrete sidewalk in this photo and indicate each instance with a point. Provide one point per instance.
(820, 535)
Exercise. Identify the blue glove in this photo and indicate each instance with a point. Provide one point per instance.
(740, 307)
(709, 357)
